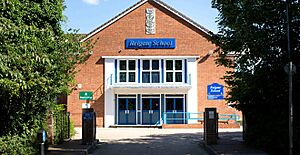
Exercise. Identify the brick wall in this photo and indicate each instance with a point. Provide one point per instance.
(111, 41)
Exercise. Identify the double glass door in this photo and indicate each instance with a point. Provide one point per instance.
(175, 111)
(150, 111)
(127, 111)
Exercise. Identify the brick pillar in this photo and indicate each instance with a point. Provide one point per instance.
(50, 123)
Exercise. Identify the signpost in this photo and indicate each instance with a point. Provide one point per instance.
(215, 91)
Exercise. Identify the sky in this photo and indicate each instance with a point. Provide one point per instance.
(86, 15)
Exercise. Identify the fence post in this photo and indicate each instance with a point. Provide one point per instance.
(68, 117)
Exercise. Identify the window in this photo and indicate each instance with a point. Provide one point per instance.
(150, 71)
(174, 70)
(127, 71)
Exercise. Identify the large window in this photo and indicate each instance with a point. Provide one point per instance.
(127, 71)
(150, 71)
(174, 70)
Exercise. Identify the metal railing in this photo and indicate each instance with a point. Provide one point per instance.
(110, 81)
(61, 126)
(186, 117)
(196, 117)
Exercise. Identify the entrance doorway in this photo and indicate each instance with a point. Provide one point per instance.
(127, 111)
(175, 109)
(150, 111)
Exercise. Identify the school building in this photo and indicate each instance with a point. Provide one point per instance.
(150, 66)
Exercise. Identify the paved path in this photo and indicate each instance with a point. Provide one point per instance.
(152, 141)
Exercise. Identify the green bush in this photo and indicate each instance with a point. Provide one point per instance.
(17, 145)
(72, 130)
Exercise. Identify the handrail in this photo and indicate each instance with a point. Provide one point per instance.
(224, 118)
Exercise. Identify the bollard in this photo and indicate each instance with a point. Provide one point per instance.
(41, 137)
(210, 126)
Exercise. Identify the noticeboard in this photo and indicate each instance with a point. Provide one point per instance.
(215, 91)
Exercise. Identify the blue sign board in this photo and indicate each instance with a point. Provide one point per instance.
(215, 97)
(87, 116)
(150, 43)
(215, 91)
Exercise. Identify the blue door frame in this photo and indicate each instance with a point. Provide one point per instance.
(127, 111)
(175, 107)
(150, 111)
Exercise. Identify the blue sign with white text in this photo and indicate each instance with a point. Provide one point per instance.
(150, 43)
(215, 91)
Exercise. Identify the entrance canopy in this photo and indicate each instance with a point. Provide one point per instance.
(151, 88)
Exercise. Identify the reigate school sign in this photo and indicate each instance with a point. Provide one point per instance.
(215, 91)
(150, 43)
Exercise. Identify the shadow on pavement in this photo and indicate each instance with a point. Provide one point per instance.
(173, 144)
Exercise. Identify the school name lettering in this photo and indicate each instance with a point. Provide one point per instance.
(215, 89)
(150, 43)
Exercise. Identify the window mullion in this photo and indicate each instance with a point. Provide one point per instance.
(174, 71)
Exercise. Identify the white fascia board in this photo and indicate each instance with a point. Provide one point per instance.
(190, 21)
(114, 20)
(182, 16)
(149, 57)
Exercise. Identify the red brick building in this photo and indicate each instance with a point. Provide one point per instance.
(151, 65)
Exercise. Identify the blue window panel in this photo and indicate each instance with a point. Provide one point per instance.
(116, 70)
(155, 77)
(162, 71)
(139, 101)
(139, 108)
(139, 71)
(116, 109)
(146, 77)
(162, 106)
(155, 64)
(185, 71)
(146, 64)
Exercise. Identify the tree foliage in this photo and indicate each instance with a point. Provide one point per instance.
(37, 62)
(255, 32)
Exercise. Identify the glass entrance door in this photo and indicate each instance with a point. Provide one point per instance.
(175, 112)
(150, 111)
(127, 111)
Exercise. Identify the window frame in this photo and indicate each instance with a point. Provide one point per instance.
(174, 71)
(151, 70)
(127, 71)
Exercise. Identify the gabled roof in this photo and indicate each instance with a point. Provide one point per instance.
(138, 4)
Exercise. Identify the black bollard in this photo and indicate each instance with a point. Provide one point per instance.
(41, 137)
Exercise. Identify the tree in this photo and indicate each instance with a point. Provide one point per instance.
(37, 62)
(255, 31)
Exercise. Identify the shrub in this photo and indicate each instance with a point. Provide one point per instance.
(17, 145)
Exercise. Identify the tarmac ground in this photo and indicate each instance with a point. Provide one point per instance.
(154, 141)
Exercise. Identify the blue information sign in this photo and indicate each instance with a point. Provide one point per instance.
(150, 43)
(215, 91)
(88, 116)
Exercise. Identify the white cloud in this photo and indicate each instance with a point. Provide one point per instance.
(92, 2)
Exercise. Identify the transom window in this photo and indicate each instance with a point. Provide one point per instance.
(127, 71)
(174, 71)
(150, 71)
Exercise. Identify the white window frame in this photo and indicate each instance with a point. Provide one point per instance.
(174, 71)
(127, 70)
(151, 70)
